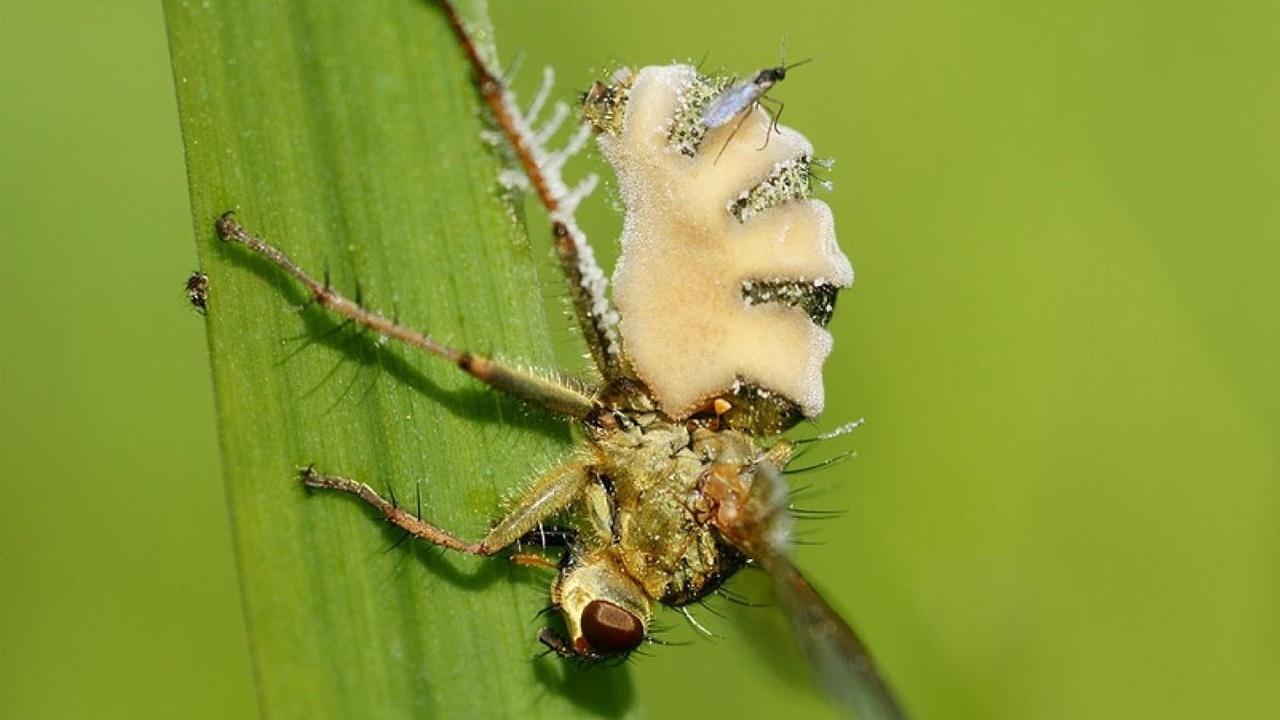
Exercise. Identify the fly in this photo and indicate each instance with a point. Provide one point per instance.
(743, 94)
(198, 292)
(702, 362)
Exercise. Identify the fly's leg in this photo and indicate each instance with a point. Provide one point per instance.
(558, 397)
(586, 281)
(773, 124)
(550, 494)
(774, 116)
(394, 514)
(737, 126)
(595, 314)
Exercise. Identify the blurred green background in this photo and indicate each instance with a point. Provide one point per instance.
(1064, 335)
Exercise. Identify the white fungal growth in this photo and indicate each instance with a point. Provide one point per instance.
(688, 330)
(540, 97)
(546, 177)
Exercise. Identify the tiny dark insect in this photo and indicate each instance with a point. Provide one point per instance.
(678, 482)
(743, 94)
(198, 292)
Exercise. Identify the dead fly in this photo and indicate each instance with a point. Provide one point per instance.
(198, 292)
(728, 277)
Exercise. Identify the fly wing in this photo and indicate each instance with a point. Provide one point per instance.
(726, 107)
(840, 662)
(754, 519)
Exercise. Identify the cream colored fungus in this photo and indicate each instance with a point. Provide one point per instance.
(687, 329)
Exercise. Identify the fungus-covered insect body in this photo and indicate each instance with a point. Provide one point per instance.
(727, 278)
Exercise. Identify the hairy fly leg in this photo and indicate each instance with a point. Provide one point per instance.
(549, 494)
(561, 397)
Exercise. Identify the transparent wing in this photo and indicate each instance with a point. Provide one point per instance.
(840, 662)
(754, 518)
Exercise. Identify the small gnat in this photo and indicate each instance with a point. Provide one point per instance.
(197, 287)
(701, 224)
(744, 94)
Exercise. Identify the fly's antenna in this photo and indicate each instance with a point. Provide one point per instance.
(782, 55)
(784, 68)
(797, 64)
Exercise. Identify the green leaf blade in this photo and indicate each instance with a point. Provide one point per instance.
(350, 138)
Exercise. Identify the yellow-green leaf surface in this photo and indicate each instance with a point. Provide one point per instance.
(350, 136)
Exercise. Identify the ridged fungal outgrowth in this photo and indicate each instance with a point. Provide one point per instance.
(729, 266)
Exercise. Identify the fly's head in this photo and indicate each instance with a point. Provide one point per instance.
(605, 612)
(770, 76)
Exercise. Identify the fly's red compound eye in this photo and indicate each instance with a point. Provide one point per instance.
(610, 629)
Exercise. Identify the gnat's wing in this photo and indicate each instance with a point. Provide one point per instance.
(754, 518)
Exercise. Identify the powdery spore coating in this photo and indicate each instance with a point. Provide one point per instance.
(688, 331)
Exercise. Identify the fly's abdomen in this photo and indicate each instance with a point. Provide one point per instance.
(675, 558)
(659, 519)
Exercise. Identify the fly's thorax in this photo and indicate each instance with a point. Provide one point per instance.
(729, 264)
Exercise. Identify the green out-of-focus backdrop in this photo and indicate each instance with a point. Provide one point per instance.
(1065, 337)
